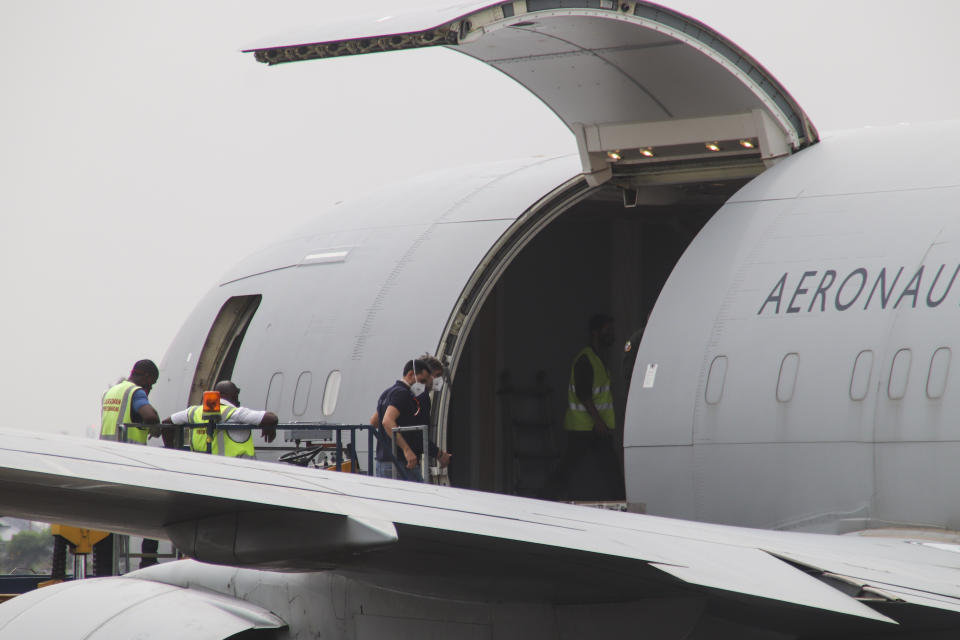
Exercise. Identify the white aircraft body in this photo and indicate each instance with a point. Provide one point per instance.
(794, 375)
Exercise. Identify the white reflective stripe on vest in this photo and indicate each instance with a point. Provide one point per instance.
(122, 416)
(600, 407)
(596, 390)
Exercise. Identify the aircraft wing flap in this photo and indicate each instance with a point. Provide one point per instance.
(918, 583)
(754, 572)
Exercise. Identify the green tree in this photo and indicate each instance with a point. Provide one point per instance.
(27, 552)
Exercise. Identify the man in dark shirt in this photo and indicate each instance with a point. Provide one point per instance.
(401, 405)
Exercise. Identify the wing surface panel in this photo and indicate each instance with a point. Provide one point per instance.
(154, 491)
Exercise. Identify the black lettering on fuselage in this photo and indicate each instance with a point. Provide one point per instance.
(912, 289)
(790, 307)
(884, 289)
(882, 282)
(822, 290)
(776, 295)
(863, 283)
(930, 302)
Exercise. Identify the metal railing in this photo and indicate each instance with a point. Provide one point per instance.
(399, 463)
(298, 432)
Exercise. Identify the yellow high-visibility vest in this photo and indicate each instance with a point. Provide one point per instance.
(577, 417)
(116, 408)
(225, 441)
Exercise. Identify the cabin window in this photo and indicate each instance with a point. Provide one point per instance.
(716, 379)
(860, 378)
(331, 391)
(939, 370)
(899, 374)
(788, 377)
(301, 396)
(274, 393)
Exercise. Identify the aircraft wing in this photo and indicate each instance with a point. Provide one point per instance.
(269, 516)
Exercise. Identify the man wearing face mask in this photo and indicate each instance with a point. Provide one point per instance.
(436, 375)
(401, 405)
(590, 419)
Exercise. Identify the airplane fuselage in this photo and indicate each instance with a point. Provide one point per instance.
(809, 333)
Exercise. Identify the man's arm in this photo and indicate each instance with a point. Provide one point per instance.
(266, 420)
(583, 386)
(151, 419)
(141, 406)
(169, 433)
(268, 426)
(149, 415)
(389, 422)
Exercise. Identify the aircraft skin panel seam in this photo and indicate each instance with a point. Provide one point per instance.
(726, 309)
(145, 598)
(259, 273)
(845, 194)
(496, 261)
(776, 99)
(595, 53)
(750, 73)
(580, 51)
(377, 305)
(747, 65)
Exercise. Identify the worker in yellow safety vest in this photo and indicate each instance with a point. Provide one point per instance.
(590, 423)
(126, 403)
(232, 437)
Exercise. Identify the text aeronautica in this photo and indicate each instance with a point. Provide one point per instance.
(822, 290)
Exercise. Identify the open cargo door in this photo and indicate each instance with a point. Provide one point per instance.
(651, 95)
(670, 120)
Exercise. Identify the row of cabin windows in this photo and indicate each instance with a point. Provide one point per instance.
(859, 378)
(301, 394)
(230, 326)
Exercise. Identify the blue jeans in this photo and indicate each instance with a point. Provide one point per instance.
(385, 470)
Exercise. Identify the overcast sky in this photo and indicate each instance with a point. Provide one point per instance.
(141, 154)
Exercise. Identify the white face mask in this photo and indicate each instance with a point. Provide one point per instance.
(437, 384)
(417, 387)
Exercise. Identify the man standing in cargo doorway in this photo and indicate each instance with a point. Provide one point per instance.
(590, 424)
(400, 406)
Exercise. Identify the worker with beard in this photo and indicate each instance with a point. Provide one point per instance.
(590, 423)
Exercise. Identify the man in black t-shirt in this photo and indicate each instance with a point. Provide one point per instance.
(400, 406)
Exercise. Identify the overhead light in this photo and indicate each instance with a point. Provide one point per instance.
(614, 155)
(646, 153)
(747, 144)
(712, 146)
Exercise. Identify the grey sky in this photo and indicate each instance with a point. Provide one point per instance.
(141, 154)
